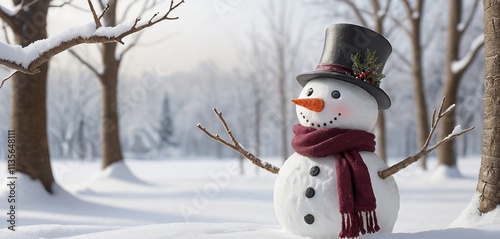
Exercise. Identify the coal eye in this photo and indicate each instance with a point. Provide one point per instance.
(310, 92)
(336, 94)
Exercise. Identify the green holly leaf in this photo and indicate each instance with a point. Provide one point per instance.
(368, 68)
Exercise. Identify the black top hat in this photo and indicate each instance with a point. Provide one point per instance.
(345, 43)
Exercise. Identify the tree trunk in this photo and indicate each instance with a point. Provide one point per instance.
(381, 139)
(418, 79)
(446, 153)
(29, 114)
(284, 128)
(283, 101)
(257, 115)
(489, 173)
(111, 146)
(381, 146)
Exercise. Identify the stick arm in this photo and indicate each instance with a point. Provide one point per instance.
(383, 174)
(234, 145)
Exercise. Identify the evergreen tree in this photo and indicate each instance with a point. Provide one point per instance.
(166, 129)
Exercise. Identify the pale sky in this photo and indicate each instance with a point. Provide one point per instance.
(206, 30)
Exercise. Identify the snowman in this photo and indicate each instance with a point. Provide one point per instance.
(330, 187)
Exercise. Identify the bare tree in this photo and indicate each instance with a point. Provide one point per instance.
(70, 105)
(414, 15)
(29, 116)
(111, 60)
(489, 174)
(455, 68)
(282, 47)
(258, 79)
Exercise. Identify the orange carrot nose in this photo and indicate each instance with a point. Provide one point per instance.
(314, 104)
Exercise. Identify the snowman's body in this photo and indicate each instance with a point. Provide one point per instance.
(295, 179)
(305, 194)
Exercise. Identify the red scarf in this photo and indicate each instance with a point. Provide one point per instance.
(353, 179)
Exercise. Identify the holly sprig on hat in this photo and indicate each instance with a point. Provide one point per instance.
(368, 69)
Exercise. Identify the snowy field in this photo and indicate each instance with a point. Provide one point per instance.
(208, 198)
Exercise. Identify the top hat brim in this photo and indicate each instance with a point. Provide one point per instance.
(383, 100)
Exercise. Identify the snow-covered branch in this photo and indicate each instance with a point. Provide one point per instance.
(28, 59)
(459, 66)
(457, 131)
(6, 15)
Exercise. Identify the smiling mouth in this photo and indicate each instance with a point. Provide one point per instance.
(319, 125)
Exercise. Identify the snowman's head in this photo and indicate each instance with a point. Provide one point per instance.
(327, 103)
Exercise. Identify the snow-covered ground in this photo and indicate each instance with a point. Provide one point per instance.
(208, 198)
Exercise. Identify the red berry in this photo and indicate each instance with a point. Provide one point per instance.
(361, 76)
(367, 73)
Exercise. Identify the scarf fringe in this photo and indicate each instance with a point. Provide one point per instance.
(353, 226)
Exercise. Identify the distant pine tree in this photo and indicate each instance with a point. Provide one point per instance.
(79, 141)
(166, 129)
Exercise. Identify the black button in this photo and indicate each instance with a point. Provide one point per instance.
(314, 171)
(310, 192)
(309, 219)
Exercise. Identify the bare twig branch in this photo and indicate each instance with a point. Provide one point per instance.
(147, 5)
(8, 77)
(386, 10)
(62, 4)
(94, 15)
(103, 3)
(27, 5)
(408, 9)
(424, 151)
(154, 15)
(84, 62)
(356, 11)
(166, 16)
(127, 10)
(402, 57)
(5, 32)
(432, 34)
(236, 146)
(31, 66)
(71, 4)
(398, 22)
(131, 44)
(153, 42)
(103, 12)
(471, 17)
